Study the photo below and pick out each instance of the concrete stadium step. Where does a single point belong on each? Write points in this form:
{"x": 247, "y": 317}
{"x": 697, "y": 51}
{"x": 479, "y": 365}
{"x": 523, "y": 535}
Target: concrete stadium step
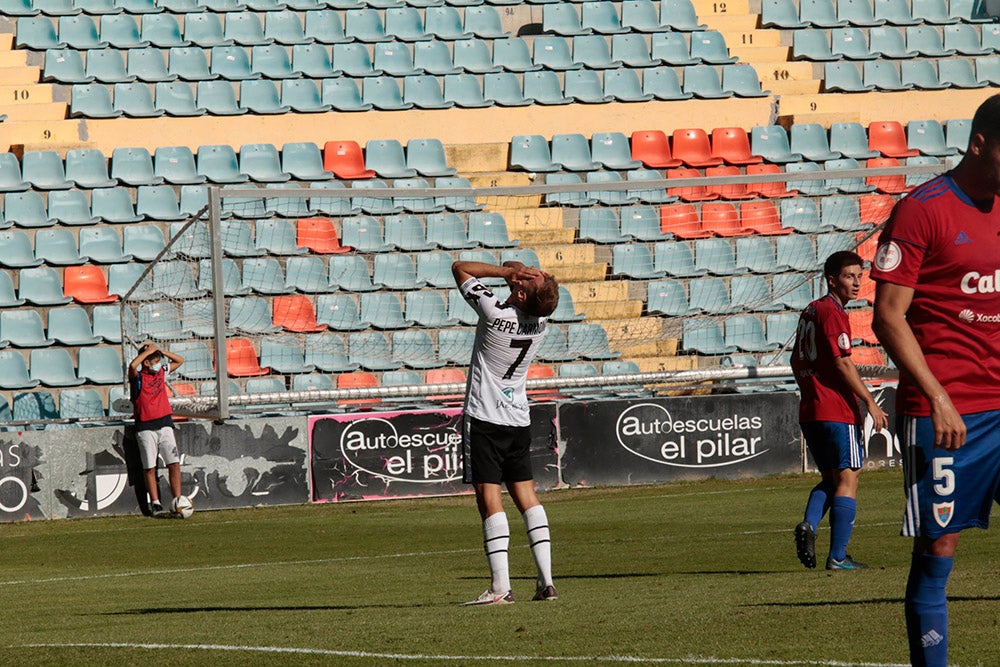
{"x": 753, "y": 53}
{"x": 598, "y": 291}
{"x": 574, "y": 253}
{"x": 57, "y": 135}
{"x": 751, "y": 38}
{"x": 903, "y": 106}
{"x": 525, "y": 220}
{"x": 53, "y": 111}
{"x": 574, "y": 273}
{"x": 478, "y": 158}
{"x": 725, "y": 23}
{"x": 720, "y": 7}
{"x": 38, "y": 93}
{"x": 627, "y": 330}
{"x": 608, "y": 310}
{"x": 655, "y": 364}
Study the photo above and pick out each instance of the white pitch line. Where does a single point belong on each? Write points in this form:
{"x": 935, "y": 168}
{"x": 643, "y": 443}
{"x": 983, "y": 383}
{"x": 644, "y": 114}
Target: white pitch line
{"x": 232, "y": 566}
{"x": 689, "y": 660}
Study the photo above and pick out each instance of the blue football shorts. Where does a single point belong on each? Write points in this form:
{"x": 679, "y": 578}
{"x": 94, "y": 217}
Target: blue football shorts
{"x": 833, "y": 445}
{"x": 948, "y": 491}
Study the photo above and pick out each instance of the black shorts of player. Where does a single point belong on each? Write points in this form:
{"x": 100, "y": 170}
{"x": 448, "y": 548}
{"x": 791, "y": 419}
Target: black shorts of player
{"x": 496, "y": 453}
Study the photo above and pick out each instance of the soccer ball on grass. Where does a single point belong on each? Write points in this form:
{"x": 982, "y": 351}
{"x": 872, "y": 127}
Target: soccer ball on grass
{"x": 182, "y": 507}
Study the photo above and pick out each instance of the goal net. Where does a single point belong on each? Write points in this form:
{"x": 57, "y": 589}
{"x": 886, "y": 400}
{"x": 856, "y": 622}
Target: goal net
{"x": 343, "y": 297}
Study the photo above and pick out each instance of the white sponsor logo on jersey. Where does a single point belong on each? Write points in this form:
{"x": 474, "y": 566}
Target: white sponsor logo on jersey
{"x": 974, "y": 283}
{"x": 966, "y": 315}
{"x": 844, "y": 341}
{"x": 888, "y": 256}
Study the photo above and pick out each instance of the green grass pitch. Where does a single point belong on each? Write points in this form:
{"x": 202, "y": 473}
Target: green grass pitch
{"x": 696, "y": 573}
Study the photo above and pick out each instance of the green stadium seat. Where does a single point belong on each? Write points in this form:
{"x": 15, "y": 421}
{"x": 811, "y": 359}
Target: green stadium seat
{"x": 365, "y": 25}
{"x": 434, "y": 57}
{"x": 858, "y": 13}
{"x": 70, "y": 207}
{"x": 921, "y": 73}
{"x": 189, "y": 63}
{"x": 122, "y": 32}
{"x": 54, "y": 367}
{"x": 484, "y": 22}
{"x": 680, "y": 15}
{"x": 26, "y": 209}
{"x": 149, "y": 65}
{"x": 780, "y": 14}
{"x": 851, "y": 43}
{"x": 703, "y": 81}
{"x": 328, "y": 352}
{"x": 205, "y": 30}
{"x": 135, "y": 100}
{"x": 245, "y": 29}
{"x": 350, "y": 272}
{"x": 80, "y": 32}
{"x": 176, "y": 98}
{"x": 16, "y": 251}
{"x": 813, "y": 44}
{"x": 65, "y": 66}
{"x": 162, "y": 31}
{"x": 883, "y": 75}
{"x": 343, "y": 95}
{"x": 445, "y": 23}
{"x": 843, "y": 77}
{"x": 672, "y": 48}
{"x": 324, "y": 26}
{"x": 593, "y": 52}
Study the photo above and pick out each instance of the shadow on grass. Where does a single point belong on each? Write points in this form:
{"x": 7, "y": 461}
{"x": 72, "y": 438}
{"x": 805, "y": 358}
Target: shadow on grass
{"x": 239, "y": 609}
{"x": 848, "y": 603}
{"x": 562, "y": 577}
{"x": 740, "y": 572}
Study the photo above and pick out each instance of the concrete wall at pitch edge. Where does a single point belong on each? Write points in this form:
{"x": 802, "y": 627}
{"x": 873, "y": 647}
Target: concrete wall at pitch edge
{"x": 338, "y": 457}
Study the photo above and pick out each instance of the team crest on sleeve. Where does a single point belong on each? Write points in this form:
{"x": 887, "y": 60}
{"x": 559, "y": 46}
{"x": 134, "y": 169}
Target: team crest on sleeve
{"x": 844, "y": 341}
{"x": 888, "y": 256}
{"x": 943, "y": 512}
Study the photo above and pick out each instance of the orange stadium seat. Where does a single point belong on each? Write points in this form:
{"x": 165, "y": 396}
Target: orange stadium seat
{"x": 867, "y": 247}
{"x": 87, "y": 284}
{"x": 445, "y": 376}
{"x": 693, "y": 147}
{"x": 319, "y": 235}
{"x": 889, "y": 138}
{"x": 887, "y": 184}
{"x": 241, "y": 359}
{"x": 346, "y": 160}
{"x": 682, "y": 221}
{"x": 689, "y": 192}
{"x": 731, "y": 191}
{"x": 875, "y": 208}
{"x": 770, "y": 189}
{"x": 722, "y": 219}
{"x": 357, "y": 380}
{"x": 761, "y": 217}
{"x": 295, "y": 313}
{"x": 733, "y": 145}
{"x": 652, "y": 148}
{"x": 867, "y": 356}
{"x": 861, "y": 326}
{"x": 542, "y": 371}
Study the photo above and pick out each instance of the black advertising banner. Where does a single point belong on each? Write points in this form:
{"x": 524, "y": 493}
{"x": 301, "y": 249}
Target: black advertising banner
{"x": 405, "y": 454}
{"x": 882, "y": 447}
{"x": 686, "y": 438}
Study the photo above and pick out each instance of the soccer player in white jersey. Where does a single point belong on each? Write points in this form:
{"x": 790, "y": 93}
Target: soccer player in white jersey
{"x": 496, "y": 439}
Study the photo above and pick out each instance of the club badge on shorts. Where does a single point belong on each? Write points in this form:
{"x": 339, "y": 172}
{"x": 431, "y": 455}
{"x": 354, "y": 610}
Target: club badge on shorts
{"x": 943, "y": 513}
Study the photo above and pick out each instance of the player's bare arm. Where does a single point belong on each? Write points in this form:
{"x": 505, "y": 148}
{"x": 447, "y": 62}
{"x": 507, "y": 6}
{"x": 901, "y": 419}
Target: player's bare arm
{"x": 146, "y": 352}
{"x": 889, "y": 324}
{"x": 849, "y": 372}
{"x": 175, "y": 359}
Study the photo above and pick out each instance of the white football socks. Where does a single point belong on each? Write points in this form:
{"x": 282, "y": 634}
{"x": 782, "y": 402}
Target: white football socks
{"x": 537, "y": 525}
{"x": 496, "y": 540}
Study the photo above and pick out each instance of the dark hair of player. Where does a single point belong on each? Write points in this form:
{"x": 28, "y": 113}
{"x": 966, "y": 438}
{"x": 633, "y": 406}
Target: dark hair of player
{"x": 543, "y": 301}
{"x": 986, "y": 120}
{"x": 836, "y": 262}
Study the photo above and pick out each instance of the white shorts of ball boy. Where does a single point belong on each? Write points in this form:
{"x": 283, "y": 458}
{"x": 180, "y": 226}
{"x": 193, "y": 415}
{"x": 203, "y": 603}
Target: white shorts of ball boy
{"x": 160, "y": 442}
